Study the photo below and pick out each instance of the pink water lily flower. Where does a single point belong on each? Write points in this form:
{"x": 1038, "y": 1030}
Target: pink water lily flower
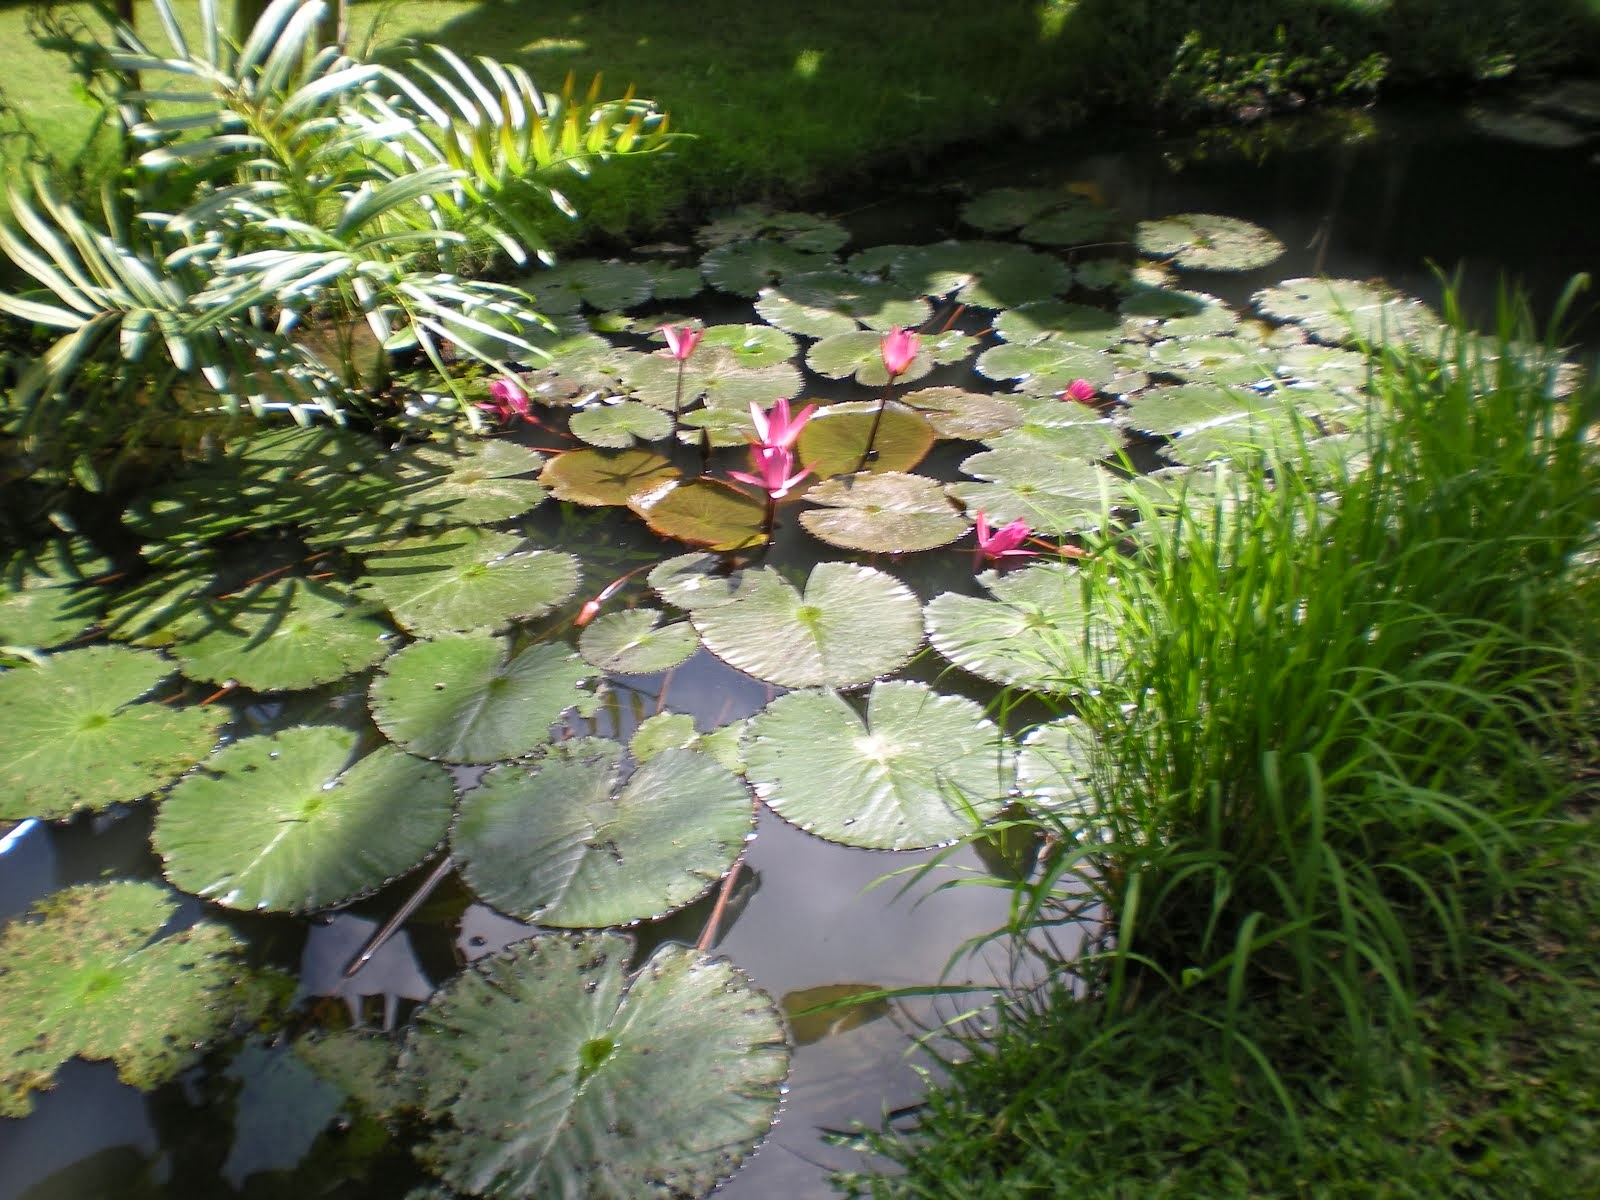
{"x": 682, "y": 341}
{"x": 776, "y": 429}
{"x": 1004, "y": 542}
{"x": 508, "y": 400}
{"x": 899, "y": 347}
{"x": 773, "y": 467}
{"x": 1080, "y": 390}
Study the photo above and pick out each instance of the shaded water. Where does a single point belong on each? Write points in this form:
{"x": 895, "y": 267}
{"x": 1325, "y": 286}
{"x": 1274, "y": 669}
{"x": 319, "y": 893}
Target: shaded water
{"x": 1417, "y": 186}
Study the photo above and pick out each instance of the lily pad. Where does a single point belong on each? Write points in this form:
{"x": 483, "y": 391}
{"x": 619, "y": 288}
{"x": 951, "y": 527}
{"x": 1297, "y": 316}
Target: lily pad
{"x": 1162, "y": 312}
{"x": 981, "y": 274}
{"x": 920, "y": 769}
{"x": 889, "y": 513}
{"x": 465, "y": 579}
{"x": 744, "y": 268}
{"x": 692, "y": 581}
{"x": 1034, "y": 633}
{"x": 1003, "y": 208}
{"x": 1079, "y": 222}
{"x": 287, "y": 823}
{"x": 1051, "y": 494}
{"x": 717, "y": 374}
{"x": 1056, "y": 767}
{"x": 280, "y": 636}
{"x": 859, "y": 355}
{"x": 704, "y": 512}
{"x": 1057, "y": 321}
{"x": 751, "y": 346}
{"x": 568, "y": 286}
{"x": 40, "y": 607}
{"x": 1349, "y": 310}
{"x": 1207, "y": 242}
{"x": 1049, "y": 366}
{"x": 91, "y": 977}
{"x": 468, "y": 700}
{"x": 852, "y": 625}
{"x": 956, "y": 413}
{"x": 617, "y": 426}
{"x": 799, "y": 230}
{"x": 835, "y": 439}
{"x": 562, "y": 845}
{"x": 634, "y": 642}
{"x": 811, "y": 300}
{"x": 602, "y": 477}
{"x": 676, "y": 731}
{"x": 559, "y": 1074}
{"x": 73, "y": 734}
{"x": 472, "y": 484}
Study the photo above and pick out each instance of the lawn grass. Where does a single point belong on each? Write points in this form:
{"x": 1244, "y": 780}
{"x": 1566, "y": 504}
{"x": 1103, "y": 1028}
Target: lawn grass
{"x": 786, "y": 102}
{"x": 1337, "y": 827}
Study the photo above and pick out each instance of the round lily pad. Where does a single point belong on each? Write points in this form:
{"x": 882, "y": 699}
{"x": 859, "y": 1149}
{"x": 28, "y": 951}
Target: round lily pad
{"x": 73, "y": 734}
{"x": 981, "y": 274}
{"x": 601, "y": 477}
{"x": 471, "y": 484}
{"x": 556, "y": 1073}
{"x": 751, "y": 346}
{"x": 956, "y": 413}
{"x": 1170, "y": 312}
{"x": 38, "y": 611}
{"x": 704, "y": 512}
{"x": 889, "y": 512}
{"x": 800, "y": 230}
{"x": 618, "y": 425}
{"x": 834, "y": 440}
{"x": 467, "y": 700}
{"x": 852, "y": 625}
{"x": 1048, "y": 366}
{"x": 1057, "y": 321}
{"x": 599, "y": 284}
{"x": 808, "y": 300}
{"x": 1052, "y": 494}
{"x": 676, "y": 731}
{"x": 287, "y": 823}
{"x": 1034, "y": 632}
{"x": 717, "y": 374}
{"x": 91, "y": 978}
{"x": 920, "y": 769}
{"x": 1056, "y": 767}
{"x": 634, "y": 642}
{"x": 1077, "y": 223}
{"x": 464, "y": 579}
{"x": 1349, "y": 310}
{"x": 1207, "y": 242}
{"x": 692, "y": 581}
{"x": 563, "y": 845}
{"x": 859, "y": 354}
{"x": 280, "y": 636}
{"x": 744, "y": 268}
{"x": 1004, "y": 208}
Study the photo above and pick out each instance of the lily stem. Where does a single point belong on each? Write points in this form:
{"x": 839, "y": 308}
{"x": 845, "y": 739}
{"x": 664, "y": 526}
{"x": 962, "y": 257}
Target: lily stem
{"x": 870, "y": 454}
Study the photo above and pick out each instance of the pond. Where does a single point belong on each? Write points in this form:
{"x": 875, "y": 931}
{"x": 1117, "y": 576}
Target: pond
{"x": 722, "y": 681}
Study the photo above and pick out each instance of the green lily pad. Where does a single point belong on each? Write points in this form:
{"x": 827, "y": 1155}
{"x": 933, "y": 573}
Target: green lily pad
{"x": 969, "y": 416}
{"x": 287, "y": 823}
{"x": 920, "y": 770}
{"x": 73, "y": 734}
{"x": 556, "y": 1073}
{"x": 1051, "y": 494}
{"x": 464, "y": 579}
{"x": 751, "y": 346}
{"x": 852, "y": 625}
{"x": 669, "y": 282}
{"x": 979, "y": 274}
{"x": 90, "y": 978}
{"x": 1212, "y": 423}
{"x": 676, "y": 731}
{"x": 562, "y": 845}
{"x": 1003, "y": 208}
{"x": 1325, "y": 366}
{"x": 568, "y": 286}
{"x": 814, "y": 302}
{"x": 890, "y": 513}
{"x": 472, "y": 484}
{"x": 704, "y": 512}
{"x": 1164, "y": 312}
{"x": 45, "y": 603}
{"x": 604, "y": 477}
{"x": 835, "y": 438}
{"x": 280, "y": 636}
{"x": 1066, "y": 439}
{"x": 1230, "y": 361}
{"x": 717, "y": 374}
{"x": 692, "y": 581}
{"x": 147, "y": 612}
{"x": 1050, "y": 366}
{"x": 1349, "y": 310}
{"x": 1057, "y": 321}
{"x": 634, "y": 642}
{"x": 617, "y": 426}
{"x": 1056, "y": 767}
{"x": 859, "y": 355}
{"x": 467, "y": 700}
{"x": 1080, "y": 222}
{"x": 799, "y": 230}
{"x": 744, "y": 268}
{"x": 1207, "y": 242}
{"x": 1034, "y": 633}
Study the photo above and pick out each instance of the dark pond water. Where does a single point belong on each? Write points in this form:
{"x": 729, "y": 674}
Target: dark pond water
{"x": 1352, "y": 195}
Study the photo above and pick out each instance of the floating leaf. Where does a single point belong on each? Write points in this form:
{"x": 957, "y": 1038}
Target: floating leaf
{"x": 676, "y": 731}
{"x": 1349, "y": 310}
{"x": 835, "y": 439}
{"x": 1053, "y": 495}
{"x": 860, "y": 355}
{"x": 799, "y": 230}
{"x": 1057, "y": 321}
{"x": 603, "y": 477}
{"x": 852, "y": 624}
{"x": 1230, "y": 361}
{"x": 617, "y": 426}
{"x": 970, "y": 416}
{"x": 89, "y": 978}
{"x": 751, "y": 346}
{"x": 813, "y": 301}
{"x": 464, "y": 579}
{"x": 1076, "y": 224}
{"x": 560, "y": 844}
{"x": 466, "y": 700}
{"x": 716, "y": 374}
{"x": 826, "y": 1011}
{"x": 1324, "y": 366}
{"x": 73, "y": 735}
{"x": 280, "y": 636}
{"x": 634, "y": 642}
{"x": 889, "y": 512}
{"x": 1056, "y": 767}
{"x": 780, "y": 309}
{"x": 1034, "y": 633}
{"x": 1234, "y": 423}
{"x": 1000, "y": 209}
{"x": 1207, "y": 242}
{"x": 1157, "y": 312}
{"x": 744, "y": 268}
{"x": 468, "y": 485}
{"x": 569, "y": 285}
{"x": 1050, "y": 366}
{"x": 40, "y": 608}
{"x": 669, "y": 282}
{"x": 704, "y": 512}
{"x": 559, "y": 1074}
{"x": 980, "y": 274}
{"x": 287, "y": 823}
{"x": 920, "y": 770}
{"x": 692, "y": 581}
